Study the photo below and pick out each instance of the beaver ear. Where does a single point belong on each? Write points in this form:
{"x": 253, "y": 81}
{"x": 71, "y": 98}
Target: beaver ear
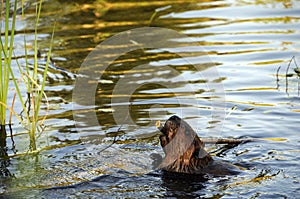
{"x": 175, "y": 118}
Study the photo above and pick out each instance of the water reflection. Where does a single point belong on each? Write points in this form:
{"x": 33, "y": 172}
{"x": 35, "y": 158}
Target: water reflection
{"x": 246, "y": 41}
{"x": 183, "y": 186}
{"x": 4, "y": 159}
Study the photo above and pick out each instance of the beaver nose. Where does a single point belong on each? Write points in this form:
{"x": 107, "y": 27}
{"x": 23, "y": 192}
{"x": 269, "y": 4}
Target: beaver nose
{"x": 158, "y": 125}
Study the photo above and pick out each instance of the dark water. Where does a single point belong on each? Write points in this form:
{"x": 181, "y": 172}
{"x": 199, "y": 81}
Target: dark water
{"x": 220, "y": 76}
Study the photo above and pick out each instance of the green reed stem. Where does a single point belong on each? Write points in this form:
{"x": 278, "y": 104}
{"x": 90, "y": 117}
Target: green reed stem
{"x": 38, "y": 90}
{"x": 6, "y": 54}
{"x": 35, "y": 87}
{"x": 37, "y": 93}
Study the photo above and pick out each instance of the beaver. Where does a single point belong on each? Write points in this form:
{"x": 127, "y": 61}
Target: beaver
{"x": 185, "y": 153}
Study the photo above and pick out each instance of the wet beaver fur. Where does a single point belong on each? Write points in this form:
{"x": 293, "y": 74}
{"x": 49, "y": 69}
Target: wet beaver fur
{"x": 185, "y": 153}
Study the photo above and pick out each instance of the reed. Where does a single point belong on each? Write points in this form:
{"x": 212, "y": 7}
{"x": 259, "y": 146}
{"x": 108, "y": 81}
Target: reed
{"x": 6, "y": 55}
{"x": 35, "y": 85}
{"x": 31, "y": 103}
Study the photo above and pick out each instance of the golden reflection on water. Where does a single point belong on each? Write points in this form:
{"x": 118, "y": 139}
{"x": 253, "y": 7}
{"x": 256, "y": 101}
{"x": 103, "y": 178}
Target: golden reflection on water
{"x": 247, "y": 48}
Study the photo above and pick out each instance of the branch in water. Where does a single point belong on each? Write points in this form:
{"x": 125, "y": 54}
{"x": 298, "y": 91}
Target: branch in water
{"x": 225, "y": 141}
{"x": 215, "y": 140}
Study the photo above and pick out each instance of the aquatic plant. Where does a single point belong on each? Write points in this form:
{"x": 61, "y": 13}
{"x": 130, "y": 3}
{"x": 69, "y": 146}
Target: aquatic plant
{"x": 6, "y": 57}
{"x": 36, "y": 86}
{"x": 287, "y": 75}
{"x": 31, "y": 103}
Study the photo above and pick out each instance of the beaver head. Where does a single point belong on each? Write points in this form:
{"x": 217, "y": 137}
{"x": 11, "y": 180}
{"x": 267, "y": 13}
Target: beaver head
{"x": 184, "y": 151}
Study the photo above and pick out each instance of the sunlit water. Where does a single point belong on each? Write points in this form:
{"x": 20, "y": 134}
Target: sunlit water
{"x": 246, "y": 42}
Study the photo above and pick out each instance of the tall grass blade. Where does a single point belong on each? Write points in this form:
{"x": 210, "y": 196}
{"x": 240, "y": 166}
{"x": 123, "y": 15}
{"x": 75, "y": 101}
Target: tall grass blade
{"x": 34, "y": 86}
{"x": 7, "y": 51}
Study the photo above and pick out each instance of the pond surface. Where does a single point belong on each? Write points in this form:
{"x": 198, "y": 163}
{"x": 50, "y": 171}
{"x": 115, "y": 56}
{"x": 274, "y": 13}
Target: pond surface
{"x": 221, "y": 75}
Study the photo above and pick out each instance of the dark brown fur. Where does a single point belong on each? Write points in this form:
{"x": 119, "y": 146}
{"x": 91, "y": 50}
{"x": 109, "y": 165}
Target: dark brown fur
{"x": 185, "y": 153}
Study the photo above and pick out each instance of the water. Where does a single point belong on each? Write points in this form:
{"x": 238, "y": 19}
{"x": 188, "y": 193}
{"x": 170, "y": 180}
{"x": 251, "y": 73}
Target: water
{"x": 245, "y": 41}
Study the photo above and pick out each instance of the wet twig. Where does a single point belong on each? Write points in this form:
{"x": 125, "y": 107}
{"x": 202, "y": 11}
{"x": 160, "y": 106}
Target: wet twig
{"x": 296, "y": 71}
{"x": 286, "y": 76}
{"x": 118, "y": 131}
{"x": 277, "y": 77}
{"x": 226, "y": 140}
